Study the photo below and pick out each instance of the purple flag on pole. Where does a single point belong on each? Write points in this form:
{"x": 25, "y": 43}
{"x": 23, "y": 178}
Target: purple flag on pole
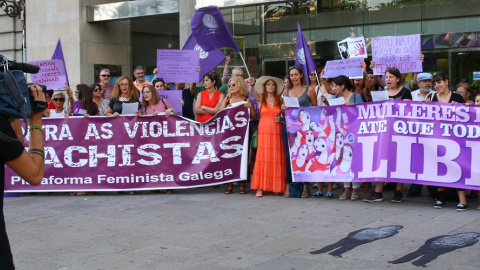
{"x": 211, "y": 30}
{"x": 208, "y": 60}
{"x": 58, "y": 54}
{"x": 303, "y": 56}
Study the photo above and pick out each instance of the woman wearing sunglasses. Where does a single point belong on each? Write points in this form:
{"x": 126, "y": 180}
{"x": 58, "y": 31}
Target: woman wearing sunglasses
{"x": 237, "y": 92}
{"x": 97, "y": 96}
{"x": 59, "y": 101}
{"x": 210, "y": 100}
{"x": 85, "y": 105}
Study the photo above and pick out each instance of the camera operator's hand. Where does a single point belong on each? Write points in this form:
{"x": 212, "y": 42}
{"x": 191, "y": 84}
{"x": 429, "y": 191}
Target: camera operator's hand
{"x": 38, "y": 95}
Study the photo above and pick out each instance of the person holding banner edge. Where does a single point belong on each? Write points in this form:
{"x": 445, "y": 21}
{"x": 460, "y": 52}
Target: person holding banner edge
{"x": 306, "y": 97}
{"x": 237, "y": 92}
{"x": 28, "y": 165}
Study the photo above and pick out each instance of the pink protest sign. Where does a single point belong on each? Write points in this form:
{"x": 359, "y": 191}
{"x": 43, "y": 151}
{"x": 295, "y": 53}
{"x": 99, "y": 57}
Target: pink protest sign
{"x": 51, "y": 74}
{"x": 402, "y": 52}
{"x": 178, "y": 65}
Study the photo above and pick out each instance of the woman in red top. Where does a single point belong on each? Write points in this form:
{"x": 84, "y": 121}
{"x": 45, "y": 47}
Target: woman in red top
{"x": 210, "y": 100}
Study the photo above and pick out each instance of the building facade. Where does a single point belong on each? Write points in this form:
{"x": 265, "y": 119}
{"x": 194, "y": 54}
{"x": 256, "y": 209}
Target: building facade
{"x": 120, "y": 35}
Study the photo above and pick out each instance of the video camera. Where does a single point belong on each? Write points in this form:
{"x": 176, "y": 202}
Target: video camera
{"x": 13, "y": 90}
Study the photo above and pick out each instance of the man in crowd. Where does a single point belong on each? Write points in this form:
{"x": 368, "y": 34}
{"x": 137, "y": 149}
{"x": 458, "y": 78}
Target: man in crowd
{"x": 105, "y": 82}
{"x": 141, "y": 81}
{"x": 424, "y": 80}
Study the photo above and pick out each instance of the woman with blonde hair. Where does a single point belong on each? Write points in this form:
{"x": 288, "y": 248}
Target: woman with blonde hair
{"x": 237, "y": 92}
{"x": 123, "y": 92}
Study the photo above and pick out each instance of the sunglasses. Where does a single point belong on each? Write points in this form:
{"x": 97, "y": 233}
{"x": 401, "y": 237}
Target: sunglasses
{"x": 391, "y": 69}
{"x": 105, "y": 75}
{"x": 312, "y": 74}
{"x": 269, "y": 84}
{"x": 97, "y": 90}
{"x": 58, "y": 99}
{"x": 76, "y": 92}
{"x": 232, "y": 84}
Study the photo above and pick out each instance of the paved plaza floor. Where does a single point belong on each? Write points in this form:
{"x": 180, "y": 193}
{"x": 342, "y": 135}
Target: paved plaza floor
{"x": 203, "y": 228}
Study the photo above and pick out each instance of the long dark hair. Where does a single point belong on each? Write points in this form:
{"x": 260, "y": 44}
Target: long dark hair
{"x": 300, "y": 70}
{"x": 212, "y": 76}
{"x": 86, "y": 98}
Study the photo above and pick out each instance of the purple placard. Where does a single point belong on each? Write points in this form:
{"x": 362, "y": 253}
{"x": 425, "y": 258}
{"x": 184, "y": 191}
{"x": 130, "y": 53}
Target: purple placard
{"x": 349, "y": 67}
{"x": 174, "y": 97}
{"x": 402, "y": 52}
{"x": 140, "y": 153}
{"x": 395, "y": 141}
{"x": 51, "y": 74}
{"x": 178, "y": 65}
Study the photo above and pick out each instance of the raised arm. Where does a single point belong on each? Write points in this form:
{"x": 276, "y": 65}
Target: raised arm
{"x": 226, "y": 70}
{"x": 31, "y": 165}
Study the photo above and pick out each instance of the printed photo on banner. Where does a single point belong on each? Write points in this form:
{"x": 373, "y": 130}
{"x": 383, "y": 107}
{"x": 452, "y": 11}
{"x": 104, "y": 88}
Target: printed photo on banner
{"x": 140, "y": 153}
{"x": 396, "y": 141}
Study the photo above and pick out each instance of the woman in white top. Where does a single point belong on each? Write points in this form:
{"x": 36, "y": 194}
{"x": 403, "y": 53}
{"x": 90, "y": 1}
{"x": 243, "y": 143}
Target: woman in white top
{"x": 59, "y": 101}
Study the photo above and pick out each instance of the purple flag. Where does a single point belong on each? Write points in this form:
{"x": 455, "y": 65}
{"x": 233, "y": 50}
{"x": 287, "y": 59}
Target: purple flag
{"x": 303, "y": 56}
{"x": 58, "y": 54}
{"x": 211, "y": 30}
{"x": 208, "y": 60}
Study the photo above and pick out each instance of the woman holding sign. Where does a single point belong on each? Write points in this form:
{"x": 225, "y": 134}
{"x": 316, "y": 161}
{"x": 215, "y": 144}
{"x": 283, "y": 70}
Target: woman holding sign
{"x": 123, "y": 92}
{"x": 153, "y": 104}
{"x": 306, "y": 97}
{"x": 210, "y": 100}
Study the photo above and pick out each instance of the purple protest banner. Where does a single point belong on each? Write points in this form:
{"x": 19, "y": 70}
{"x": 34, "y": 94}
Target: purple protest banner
{"x": 140, "y": 153}
{"x": 208, "y": 60}
{"x": 402, "y": 52}
{"x": 51, "y": 74}
{"x": 303, "y": 56}
{"x": 178, "y": 65}
{"x": 395, "y": 141}
{"x": 174, "y": 97}
{"x": 211, "y": 30}
{"x": 349, "y": 67}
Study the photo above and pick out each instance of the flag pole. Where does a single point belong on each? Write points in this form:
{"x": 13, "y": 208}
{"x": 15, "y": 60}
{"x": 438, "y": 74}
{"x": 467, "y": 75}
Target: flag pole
{"x": 244, "y": 64}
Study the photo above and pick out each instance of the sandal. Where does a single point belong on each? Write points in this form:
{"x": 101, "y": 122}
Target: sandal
{"x": 229, "y": 189}
{"x": 306, "y": 191}
{"x": 243, "y": 188}
{"x": 259, "y": 193}
{"x": 287, "y": 192}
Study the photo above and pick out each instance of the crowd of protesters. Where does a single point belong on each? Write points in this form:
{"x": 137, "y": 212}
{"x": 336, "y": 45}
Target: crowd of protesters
{"x": 270, "y": 166}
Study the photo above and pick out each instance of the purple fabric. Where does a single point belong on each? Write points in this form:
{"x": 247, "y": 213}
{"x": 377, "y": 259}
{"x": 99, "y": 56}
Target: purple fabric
{"x": 402, "y": 52}
{"x": 141, "y": 153}
{"x": 303, "y": 56}
{"x": 395, "y": 141}
{"x": 349, "y": 67}
{"x": 58, "y": 54}
{"x": 209, "y": 60}
{"x": 211, "y": 30}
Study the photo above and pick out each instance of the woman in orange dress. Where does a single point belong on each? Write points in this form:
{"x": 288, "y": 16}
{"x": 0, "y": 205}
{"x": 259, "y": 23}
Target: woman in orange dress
{"x": 269, "y": 172}
{"x": 209, "y": 100}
